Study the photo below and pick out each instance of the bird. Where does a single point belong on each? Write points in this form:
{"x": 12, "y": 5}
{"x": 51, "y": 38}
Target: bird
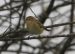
{"x": 33, "y": 25}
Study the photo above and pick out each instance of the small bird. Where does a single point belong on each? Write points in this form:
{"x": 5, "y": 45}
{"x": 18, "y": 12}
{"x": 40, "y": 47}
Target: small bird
{"x": 34, "y": 26}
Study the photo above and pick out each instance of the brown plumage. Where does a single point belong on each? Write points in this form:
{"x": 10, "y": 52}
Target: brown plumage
{"x": 34, "y": 26}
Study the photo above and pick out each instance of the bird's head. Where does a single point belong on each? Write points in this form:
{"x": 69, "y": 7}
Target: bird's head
{"x": 30, "y": 18}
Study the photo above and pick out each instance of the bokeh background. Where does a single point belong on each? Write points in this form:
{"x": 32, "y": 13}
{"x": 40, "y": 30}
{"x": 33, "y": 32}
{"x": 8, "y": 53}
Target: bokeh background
{"x": 56, "y": 15}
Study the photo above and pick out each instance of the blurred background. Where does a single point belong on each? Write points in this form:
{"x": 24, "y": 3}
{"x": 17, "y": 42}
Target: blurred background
{"x": 56, "y": 15}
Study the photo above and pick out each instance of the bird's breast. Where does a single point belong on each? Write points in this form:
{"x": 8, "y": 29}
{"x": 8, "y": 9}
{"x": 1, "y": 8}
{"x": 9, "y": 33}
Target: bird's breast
{"x": 34, "y": 28}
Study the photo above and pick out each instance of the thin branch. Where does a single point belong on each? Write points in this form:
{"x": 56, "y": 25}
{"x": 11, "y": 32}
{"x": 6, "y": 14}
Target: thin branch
{"x": 34, "y": 37}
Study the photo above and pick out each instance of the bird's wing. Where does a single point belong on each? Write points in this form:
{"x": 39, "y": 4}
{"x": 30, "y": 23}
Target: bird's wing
{"x": 40, "y": 24}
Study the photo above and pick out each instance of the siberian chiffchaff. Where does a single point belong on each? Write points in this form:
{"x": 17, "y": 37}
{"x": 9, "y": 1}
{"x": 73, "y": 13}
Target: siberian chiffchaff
{"x": 34, "y": 26}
